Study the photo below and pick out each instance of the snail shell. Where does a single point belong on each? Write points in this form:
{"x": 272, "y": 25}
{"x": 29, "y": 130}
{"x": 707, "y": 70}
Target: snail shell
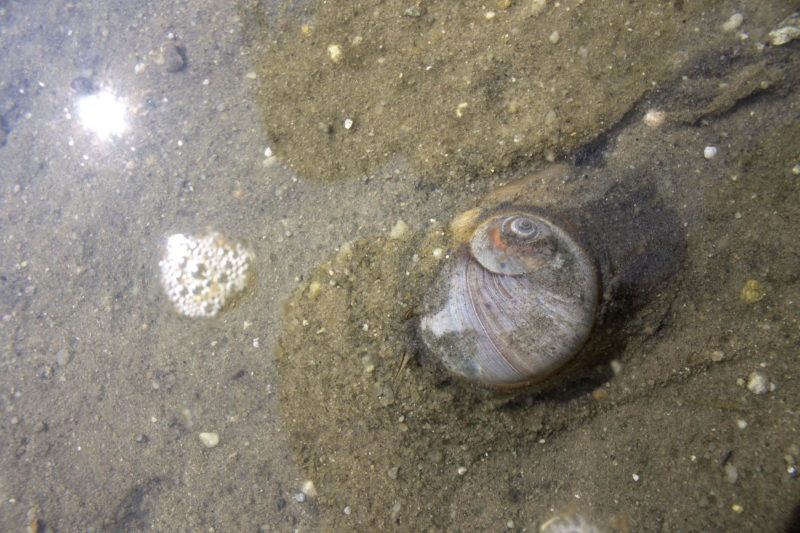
{"x": 514, "y": 304}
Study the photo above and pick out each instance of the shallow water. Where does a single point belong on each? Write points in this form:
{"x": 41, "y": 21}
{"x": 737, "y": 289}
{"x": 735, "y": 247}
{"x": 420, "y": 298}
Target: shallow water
{"x": 105, "y": 387}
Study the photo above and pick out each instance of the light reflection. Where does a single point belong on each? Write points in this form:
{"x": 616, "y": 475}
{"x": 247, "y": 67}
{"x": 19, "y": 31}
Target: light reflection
{"x": 103, "y": 114}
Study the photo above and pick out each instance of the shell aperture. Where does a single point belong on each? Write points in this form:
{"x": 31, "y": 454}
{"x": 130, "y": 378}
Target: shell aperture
{"x": 515, "y": 305}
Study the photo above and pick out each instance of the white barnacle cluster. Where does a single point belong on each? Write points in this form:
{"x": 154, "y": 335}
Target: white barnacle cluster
{"x": 201, "y": 273}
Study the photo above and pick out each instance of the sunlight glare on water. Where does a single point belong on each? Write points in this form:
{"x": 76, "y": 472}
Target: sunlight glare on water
{"x": 103, "y": 114}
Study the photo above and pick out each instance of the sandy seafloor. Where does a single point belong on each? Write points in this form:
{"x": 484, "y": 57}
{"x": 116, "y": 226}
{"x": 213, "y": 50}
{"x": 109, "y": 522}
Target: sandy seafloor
{"x": 104, "y": 388}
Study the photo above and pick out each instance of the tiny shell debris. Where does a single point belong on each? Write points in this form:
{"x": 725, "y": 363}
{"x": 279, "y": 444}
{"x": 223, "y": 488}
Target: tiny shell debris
{"x": 569, "y": 523}
{"x": 201, "y": 273}
{"x": 209, "y": 439}
{"x": 710, "y": 152}
{"x": 787, "y": 30}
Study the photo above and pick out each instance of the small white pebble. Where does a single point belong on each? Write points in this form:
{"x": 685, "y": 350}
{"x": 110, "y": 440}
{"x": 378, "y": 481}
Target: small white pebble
{"x": 733, "y": 23}
{"x": 251, "y": 75}
{"x": 616, "y": 367}
{"x": 348, "y": 123}
{"x": 796, "y": 169}
{"x": 267, "y": 152}
{"x": 461, "y": 470}
{"x": 758, "y": 383}
{"x": 300, "y": 497}
{"x": 255, "y": 342}
{"x": 347, "y": 510}
{"x": 209, "y": 439}
{"x": 308, "y": 488}
{"x": 636, "y": 477}
{"x": 437, "y": 253}
{"x": 489, "y": 15}
{"x": 554, "y": 37}
{"x": 654, "y": 118}
{"x": 335, "y": 52}
{"x": 741, "y": 424}
{"x": 709, "y": 152}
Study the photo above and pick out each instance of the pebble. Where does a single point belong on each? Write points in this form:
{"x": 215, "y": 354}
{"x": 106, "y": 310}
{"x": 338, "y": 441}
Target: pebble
{"x": 758, "y": 383}
{"x": 709, "y": 152}
{"x": 654, "y": 118}
{"x": 172, "y": 57}
{"x": 299, "y": 497}
{"x": 63, "y": 357}
{"x": 393, "y": 471}
{"x": 461, "y": 470}
{"x": 335, "y": 52}
{"x": 733, "y": 23}
{"x": 787, "y": 30}
{"x": 399, "y": 229}
{"x": 309, "y": 489}
{"x": 731, "y": 474}
{"x": 82, "y": 85}
{"x": 717, "y": 356}
{"x": 554, "y": 37}
{"x": 753, "y": 291}
{"x": 209, "y": 439}
{"x": 347, "y": 510}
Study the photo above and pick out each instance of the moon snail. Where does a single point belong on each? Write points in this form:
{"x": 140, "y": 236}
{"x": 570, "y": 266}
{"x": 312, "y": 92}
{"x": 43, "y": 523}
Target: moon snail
{"x": 515, "y": 303}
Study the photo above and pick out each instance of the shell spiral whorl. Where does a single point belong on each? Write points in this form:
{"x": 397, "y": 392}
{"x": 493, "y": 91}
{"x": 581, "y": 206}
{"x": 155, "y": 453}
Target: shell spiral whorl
{"x": 514, "y": 304}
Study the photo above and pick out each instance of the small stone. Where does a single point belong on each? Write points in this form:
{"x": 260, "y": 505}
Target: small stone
{"x": 209, "y": 439}
{"x": 741, "y": 424}
{"x": 308, "y": 489}
{"x": 787, "y": 30}
{"x": 461, "y": 470}
{"x": 635, "y": 477}
{"x": 536, "y": 6}
{"x": 731, "y": 474}
{"x": 753, "y": 291}
{"x": 393, "y": 471}
{"x": 758, "y": 383}
{"x": 736, "y": 508}
{"x": 63, "y": 357}
{"x": 733, "y": 23}
{"x": 314, "y": 288}
{"x": 172, "y": 56}
{"x": 347, "y": 510}
{"x": 413, "y": 11}
{"x": 654, "y": 118}
{"x": 141, "y": 438}
{"x": 710, "y": 152}
{"x": 717, "y": 356}
{"x": 399, "y": 229}
{"x": 503, "y": 4}
{"x": 489, "y": 15}
{"x": 251, "y": 75}
{"x": 437, "y": 253}
{"x": 348, "y": 123}
{"x": 335, "y": 52}
{"x": 82, "y": 85}
{"x": 299, "y": 497}
{"x": 554, "y": 37}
